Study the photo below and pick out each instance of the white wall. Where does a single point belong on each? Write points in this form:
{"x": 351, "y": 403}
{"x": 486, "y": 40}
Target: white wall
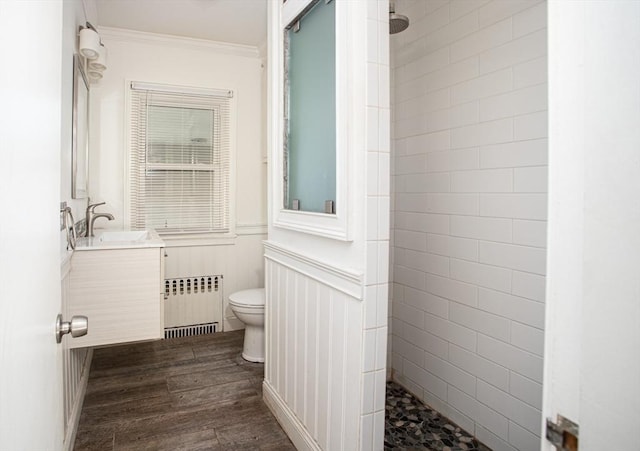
{"x": 135, "y": 56}
{"x": 326, "y": 314}
{"x": 592, "y": 364}
{"x": 469, "y": 215}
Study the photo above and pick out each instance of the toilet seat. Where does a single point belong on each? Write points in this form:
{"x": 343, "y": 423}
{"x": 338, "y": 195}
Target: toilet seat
{"x": 248, "y": 298}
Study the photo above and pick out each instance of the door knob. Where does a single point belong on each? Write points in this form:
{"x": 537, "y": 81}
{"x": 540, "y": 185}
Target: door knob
{"x": 78, "y": 326}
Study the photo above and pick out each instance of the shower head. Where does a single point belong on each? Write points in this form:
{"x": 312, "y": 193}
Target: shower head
{"x": 397, "y": 22}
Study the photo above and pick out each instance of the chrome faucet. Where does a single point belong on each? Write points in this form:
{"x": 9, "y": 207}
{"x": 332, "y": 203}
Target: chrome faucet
{"x": 91, "y": 217}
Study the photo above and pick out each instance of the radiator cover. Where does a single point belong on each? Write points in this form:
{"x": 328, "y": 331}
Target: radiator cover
{"x": 193, "y": 305}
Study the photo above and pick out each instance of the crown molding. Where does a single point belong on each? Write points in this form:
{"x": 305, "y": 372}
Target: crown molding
{"x": 143, "y": 37}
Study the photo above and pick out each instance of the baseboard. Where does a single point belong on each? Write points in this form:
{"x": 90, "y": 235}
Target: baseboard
{"x": 78, "y": 400}
{"x": 298, "y": 434}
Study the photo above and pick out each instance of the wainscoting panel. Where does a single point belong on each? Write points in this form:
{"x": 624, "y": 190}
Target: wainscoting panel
{"x": 313, "y": 364}
{"x": 75, "y": 369}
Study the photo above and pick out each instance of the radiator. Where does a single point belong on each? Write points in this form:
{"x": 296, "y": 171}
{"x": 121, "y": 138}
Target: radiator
{"x": 193, "y": 306}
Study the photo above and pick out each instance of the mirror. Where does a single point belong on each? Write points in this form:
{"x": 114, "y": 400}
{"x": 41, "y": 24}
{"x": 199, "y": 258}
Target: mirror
{"x": 80, "y": 133}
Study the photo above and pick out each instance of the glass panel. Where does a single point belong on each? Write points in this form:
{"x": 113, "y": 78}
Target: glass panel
{"x": 310, "y": 145}
{"x": 179, "y": 135}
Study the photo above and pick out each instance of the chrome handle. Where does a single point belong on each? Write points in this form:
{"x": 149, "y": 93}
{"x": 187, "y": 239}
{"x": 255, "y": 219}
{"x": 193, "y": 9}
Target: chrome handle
{"x": 92, "y": 207}
{"x": 78, "y": 326}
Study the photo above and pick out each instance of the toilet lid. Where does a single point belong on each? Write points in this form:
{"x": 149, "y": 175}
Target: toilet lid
{"x": 254, "y": 296}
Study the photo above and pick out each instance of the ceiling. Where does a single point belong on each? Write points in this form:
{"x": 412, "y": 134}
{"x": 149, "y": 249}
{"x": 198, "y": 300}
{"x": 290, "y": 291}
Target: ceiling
{"x": 236, "y": 21}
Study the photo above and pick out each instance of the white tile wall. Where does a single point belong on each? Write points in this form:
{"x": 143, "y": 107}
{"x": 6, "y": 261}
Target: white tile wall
{"x": 469, "y": 206}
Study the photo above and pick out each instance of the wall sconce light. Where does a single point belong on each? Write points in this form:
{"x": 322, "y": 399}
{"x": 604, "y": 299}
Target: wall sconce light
{"x": 94, "y": 52}
{"x": 89, "y": 46}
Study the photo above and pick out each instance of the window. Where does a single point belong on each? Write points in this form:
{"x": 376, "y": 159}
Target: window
{"x": 179, "y": 159}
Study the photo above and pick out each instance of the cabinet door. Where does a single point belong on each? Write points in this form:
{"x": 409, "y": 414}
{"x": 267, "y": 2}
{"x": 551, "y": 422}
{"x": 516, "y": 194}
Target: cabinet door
{"x": 118, "y": 291}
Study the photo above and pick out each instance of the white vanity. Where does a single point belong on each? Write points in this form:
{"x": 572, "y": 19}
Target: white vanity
{"x": 116, "y": 281}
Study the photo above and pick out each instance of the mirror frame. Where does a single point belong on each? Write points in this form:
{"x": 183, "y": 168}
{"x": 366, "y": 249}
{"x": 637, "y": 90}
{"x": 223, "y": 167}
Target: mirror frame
{"x": 80, "y": 132}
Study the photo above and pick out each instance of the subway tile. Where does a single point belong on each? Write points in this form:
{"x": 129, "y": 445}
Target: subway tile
{"x": 372, "y": 173}
{"x": 379, "y": 390}
{"x": 410, "y": 240}
{"x": 409, "y": 202}
{"x": 378, "y": 429}
{"x": 452, "y": 160}
{"x": 526, "y": 390}
{"x": 494, "y": 442}
{"x": 492, "y": 325}
{"x": 529, "y": 73}
{"x": 452, "y": 289}
{"x": 515, "y": 103}
{"x": 372, "y": 218}
{"x": 484, "y": 86}
{"x": 499, "y": 9}
{"x": 409, "y": 351}
{"x": 482, "y": 181}
{"x": 523, "y": 258}
{"x": 528, "y": 233}
{"x": 384, "y": 163}
{"x": 384, "y": 221}
{"x": 384, "y": 128}
{"x": 372, "y": 41}
{"x": 452, "y": 32}
{"x": 372, "y": 128}
{"x": 481, "y": 275}
{"x": 428, "y": 63}
{"x": 372, "y": 259}
{"x": 527, "y": 285}
{"x": 450, "y": 246}
{"x": 516, "y": 206}
{"x": 367, "y": 389}
{"x": 450, "y": 373}
{"x": 487, "y": 417}
{"x": 512, "y": 307}
{"x": 410, "y": 126}
{"x": 491, "y": 132}
{"x": 530, "y": 20}
{"x": 531, "y": 126}
{"x": 434, "y": 20}
{"x": 522, "y": 439}
{"x": 411, "y": 164}
{"x": 452, "y": 74}
{"x": 426, "y": 341}
{"x": 369, "y": 354}
{"x": 426, "y": 380}
{"x": 515, "y": 359}
{"x": 373, "y": 84}
{"x": 528, "y": 338}
{"x": 455, "y": 204}
{"x": 422, "y": 183}
{"x": 459, "y": 8}
{"x": 514, "y": 409}
{"x": 451, "y": 332}
{"x": 492, "y": 229}
{"x": 459, "y": 418}
{"x": 424, "y": 222}
{"x": 481, "y": 40}
{"x": 426, "y": 302}
{"x": 370, "y": 306}
{"x": 381, "y": 348}
{"x": 514, "y": 154}
{"x": 366, "y": 432}
{"x": 383, "y": 42}
{"x": 429, "y": 142}
{"x": 383, "y": 262}
{"x": 426, "y": 262}
{"x": 384, "y": 86}
{"x": 530, "y": 180}
{"x": 480, "y": 367}
{"x": 519, "y": 50}
{"x": 382, "y": 310}
{"x": 409, "y": 312}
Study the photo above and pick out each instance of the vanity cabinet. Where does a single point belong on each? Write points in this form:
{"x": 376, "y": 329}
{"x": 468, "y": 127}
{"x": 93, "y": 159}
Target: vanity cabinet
{"x": 121, "y": 292}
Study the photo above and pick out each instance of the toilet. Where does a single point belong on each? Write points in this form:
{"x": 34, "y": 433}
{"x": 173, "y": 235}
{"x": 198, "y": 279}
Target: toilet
{"x": 248, "y": 306}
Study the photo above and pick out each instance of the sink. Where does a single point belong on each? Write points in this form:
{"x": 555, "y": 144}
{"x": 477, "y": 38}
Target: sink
{"x": 120, "y": 239}
{"x": 124, "y": 235}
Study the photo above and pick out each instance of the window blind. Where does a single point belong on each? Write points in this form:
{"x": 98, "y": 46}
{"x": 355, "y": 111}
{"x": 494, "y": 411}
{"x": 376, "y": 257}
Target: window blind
{"x": 179, "y": 159}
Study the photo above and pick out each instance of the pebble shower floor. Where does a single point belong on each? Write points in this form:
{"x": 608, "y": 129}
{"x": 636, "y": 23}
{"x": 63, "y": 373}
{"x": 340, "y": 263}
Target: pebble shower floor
{"x": 410, "y": 425}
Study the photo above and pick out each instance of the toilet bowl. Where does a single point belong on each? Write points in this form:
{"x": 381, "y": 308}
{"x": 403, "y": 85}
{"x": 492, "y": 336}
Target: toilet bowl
{"x": 248, "y": 306}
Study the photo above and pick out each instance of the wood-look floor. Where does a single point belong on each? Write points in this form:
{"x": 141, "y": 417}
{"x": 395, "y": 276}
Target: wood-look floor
{"x": 190, "y": 393}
